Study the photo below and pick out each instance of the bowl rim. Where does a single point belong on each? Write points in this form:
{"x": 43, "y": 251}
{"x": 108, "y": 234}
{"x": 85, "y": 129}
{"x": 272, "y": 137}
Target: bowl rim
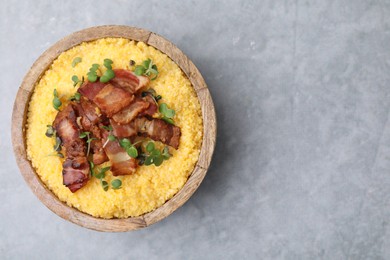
{"x": 19, "y": 117}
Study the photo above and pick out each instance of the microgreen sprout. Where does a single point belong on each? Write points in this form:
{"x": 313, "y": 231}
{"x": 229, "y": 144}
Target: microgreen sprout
{"x": 129, "y": 147}
{"x": 56, "y": 100}
{"x": 58, "y": 154}
{"x": 116, "y": 184}
{"x": 109, "y": 73}
{"x": 155, "y": 156}
{"x": 76, "y": 80}
{"x": 57, "y": 145}
{"x": 167, "y": 113}
{"x": 104, "y": 184}
{"x": 89, "y": 140}
{"x": 101, "y": 175}
{"x": 148, "y": 68}
{"x": 102, "y": 172}
{"x": 50, "y": 132}
{"x": 108, "y": 128}
{"x": 91, "y": 168}
{"x": 75, "y": 97}
{"x": 76, "y": 61}
{"x": 92, "y": 74}
{"x": 110, "y": 137}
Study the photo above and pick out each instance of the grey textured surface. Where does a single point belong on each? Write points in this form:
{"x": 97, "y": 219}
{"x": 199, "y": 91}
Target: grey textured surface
{"x": 302, "y": 164}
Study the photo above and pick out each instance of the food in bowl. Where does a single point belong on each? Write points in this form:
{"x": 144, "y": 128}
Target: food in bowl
{"x": 145, "y": 151}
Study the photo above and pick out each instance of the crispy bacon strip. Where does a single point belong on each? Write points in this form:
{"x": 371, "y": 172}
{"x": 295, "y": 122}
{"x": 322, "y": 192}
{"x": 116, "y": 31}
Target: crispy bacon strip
{"x": 89, "y": 110}
{"x": 129, "y": 113}
{"x": 156, "y": 129}
{"x": 152, "y": 109}
{"x": 98, "y": 154}
{"x": 75, "y": 173}
{"x": 67, "y": 129}
{"x": 112, "y": 99}
{"x": 159, "y": 130}
{"x": 121, "y": 162}
{"x": 75, "y": 168}
{"x": 128, "y": 80}
{"x": 91, "y": 89}
{"x": 123, "y": 131}
{"x": 90, "y": 121}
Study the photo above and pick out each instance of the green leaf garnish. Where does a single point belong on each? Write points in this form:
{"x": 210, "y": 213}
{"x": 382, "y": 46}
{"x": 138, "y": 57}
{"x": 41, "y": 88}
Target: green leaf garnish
{"x": 92, "y": 74}
{"x": 124, "y": 142}
{"x": 50, "y": 132}
{"x": 88, "y": 141}
{"x": 104, "y": 184}
{"x": 76, "y": 61}
{"x": 116, "y": 184}
{"x": 57, "y": 145}
{"x": 109, "y": 73}
{"x": 56, "y": 100}
{"x": 107, "y": 76}
{"x": 76, "y": 80}
{"x": 102, "y": 172}
{"x": 154, "y": 155}
{"x": 166, "y": 155}
{"x": 75, "y": 97}
{"x": 107, "y": 63}
{"x": 139, "y": 70}
{"x": 132, "y": 152}
{"x": 100, "y": 175}
{"x": 168, "y": 120}
{"x": 158, "y": 160}
{"x": 111, "y": 138}
{"x": 150, "y": 147}
{"x": 167, "y": 113}
{"x": 129, "y": 147}
{"x": 108, "y": 128}
{"x": 148, "y": 68}
{"x": 91, "y": 168}
{"x": 84, "y": 134}
{"x": 58, "y": 154}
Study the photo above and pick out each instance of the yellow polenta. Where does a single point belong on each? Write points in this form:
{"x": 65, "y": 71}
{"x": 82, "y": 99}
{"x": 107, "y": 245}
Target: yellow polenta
{"x": 150, "y": 186}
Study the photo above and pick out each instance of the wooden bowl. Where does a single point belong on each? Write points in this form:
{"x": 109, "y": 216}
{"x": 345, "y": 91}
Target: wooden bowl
{"x": 20, "y": 113}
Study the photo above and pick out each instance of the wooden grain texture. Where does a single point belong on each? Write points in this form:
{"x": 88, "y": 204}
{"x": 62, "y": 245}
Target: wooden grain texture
{"x": 19, "y": 123}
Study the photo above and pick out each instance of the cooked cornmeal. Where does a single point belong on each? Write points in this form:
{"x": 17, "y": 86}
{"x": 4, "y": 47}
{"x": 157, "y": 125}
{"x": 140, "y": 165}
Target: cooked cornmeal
{"x": 150, "y": 186}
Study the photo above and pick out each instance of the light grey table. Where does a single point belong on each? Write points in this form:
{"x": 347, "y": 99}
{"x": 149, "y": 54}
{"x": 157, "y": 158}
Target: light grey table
{"x": 302, "y": 164}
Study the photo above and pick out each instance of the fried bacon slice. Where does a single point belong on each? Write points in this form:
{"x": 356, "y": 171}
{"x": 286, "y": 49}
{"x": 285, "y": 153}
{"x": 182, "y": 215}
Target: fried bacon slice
{"x": 91, "y": 89}
{"x": 75, "y": 168}
{"x": 126, "y": 115}
{"x": 75, "y": 173}
{"x": 112, "y": 99}
{"x": 90, "y": 122}
{"x": 67, "y": 129}
{"x": 122, "y": 131}
{"x": 156, "y": 129}
{"x": 128, "y": 80}
{"x": 121, "y": 162}
{"x": 152, "y": 109}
